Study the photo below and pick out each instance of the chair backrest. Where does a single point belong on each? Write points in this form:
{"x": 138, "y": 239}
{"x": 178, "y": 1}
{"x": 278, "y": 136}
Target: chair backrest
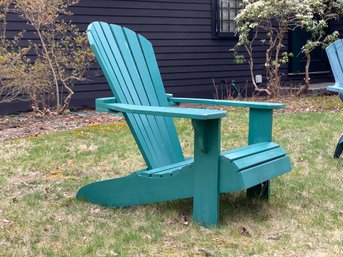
{"x": 335, "y": 55}
{"x": 129, "y": 64}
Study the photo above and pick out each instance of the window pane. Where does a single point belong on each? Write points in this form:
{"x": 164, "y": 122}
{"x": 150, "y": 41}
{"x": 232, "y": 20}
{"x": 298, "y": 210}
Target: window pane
{"x": 227, "y": 11}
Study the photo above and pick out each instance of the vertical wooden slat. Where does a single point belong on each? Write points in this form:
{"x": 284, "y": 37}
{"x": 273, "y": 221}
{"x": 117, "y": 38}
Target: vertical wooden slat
{"x": 339, "y": 51}
{"x": 148, "y": 91}
{"x": 334, "y": 62}
{"x": 130, "y": 66}
{"x": 155, "y": 75}
{"x": 145, "y": 90}
{"x": 135, "y": 87}
{"x": 114, "y": 78}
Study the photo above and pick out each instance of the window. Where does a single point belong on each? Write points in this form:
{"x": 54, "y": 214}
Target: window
{"x": 224, "y": 15}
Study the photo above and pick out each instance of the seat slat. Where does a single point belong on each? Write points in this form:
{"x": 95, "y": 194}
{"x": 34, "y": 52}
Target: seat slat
{"x": 259, "y": 158}
{"x": 166, "y": 170}
{"x": 265, "y": 171}
{"x": 249, "y": 150}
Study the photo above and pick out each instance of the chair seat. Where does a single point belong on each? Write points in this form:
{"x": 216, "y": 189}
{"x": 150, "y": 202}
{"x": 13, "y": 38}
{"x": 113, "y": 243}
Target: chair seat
{"x": 251, "y": 165}
{"x": 165, "y": 171}
{"x": 252, "y": 155}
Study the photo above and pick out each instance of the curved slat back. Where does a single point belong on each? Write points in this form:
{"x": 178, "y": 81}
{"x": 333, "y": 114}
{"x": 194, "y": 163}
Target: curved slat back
{"x": 335, "y": 55}
{"x": 130, "y": 67}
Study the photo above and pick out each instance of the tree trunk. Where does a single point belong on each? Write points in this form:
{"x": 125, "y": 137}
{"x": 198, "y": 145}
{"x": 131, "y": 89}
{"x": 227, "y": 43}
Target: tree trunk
{"x": 307, "y": 78}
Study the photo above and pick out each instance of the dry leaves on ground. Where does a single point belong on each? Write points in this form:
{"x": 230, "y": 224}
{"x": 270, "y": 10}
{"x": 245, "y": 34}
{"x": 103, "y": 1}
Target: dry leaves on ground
{"x": 30, "y": 124}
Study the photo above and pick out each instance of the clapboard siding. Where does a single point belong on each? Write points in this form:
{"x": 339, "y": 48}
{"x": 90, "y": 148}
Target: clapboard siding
{"x": 337, "y": 26}
{"x": 189, "y": 58}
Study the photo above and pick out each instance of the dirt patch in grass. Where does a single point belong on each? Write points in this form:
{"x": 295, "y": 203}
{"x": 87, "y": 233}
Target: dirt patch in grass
{"x": 30, "y": 124}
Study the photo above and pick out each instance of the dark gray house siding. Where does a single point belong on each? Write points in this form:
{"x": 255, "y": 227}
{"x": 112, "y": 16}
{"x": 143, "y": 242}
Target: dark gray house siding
{"x": 182, "y": 34}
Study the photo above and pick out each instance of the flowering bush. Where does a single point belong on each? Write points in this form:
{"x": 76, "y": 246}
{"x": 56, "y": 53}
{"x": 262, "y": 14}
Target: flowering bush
{"x": 273, "y": 19}
{"x": 61, "y": 55}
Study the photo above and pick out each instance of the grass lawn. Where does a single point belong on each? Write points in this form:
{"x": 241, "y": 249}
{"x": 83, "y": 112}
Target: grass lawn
{"x": 39, "y": 177}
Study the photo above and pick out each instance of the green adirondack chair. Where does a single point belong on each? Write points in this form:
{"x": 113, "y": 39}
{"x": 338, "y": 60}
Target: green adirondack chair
{"x": 129, "y": 64}
{"x": 335, "y": 55}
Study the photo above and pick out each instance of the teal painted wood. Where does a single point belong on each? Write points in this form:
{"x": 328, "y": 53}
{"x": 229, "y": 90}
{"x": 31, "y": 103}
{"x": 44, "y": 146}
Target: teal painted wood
{"x": 256, "y": 105}
{"x": 260, "y": 174}
{"x": 126, "y": 42}
{"x": 260, "y": 130}
{"x": 259, "y": 158}
{"x": 335, "y": 55}
{"x": 243, "y": 173}
{"x": 100, "y": 103}
{"x": 250, "y": 177}
{"x": 134, "y": 189}
{"x": 109, "y": 65}
{"x": 249, "y": 150}
{"x": 132, "y": 81}
{"x": 206, "y": 172}
{"x": 192, "y": 113}
{"x": 168, "y": 170}
{"x": 260, "y": 125}
{"x": 130, "y": 66}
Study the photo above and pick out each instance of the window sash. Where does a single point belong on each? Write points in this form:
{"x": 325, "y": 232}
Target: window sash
{"x": 227, "y": 10}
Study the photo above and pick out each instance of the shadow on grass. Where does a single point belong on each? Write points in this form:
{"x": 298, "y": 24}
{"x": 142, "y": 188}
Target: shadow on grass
{"x": 234, "y": 207}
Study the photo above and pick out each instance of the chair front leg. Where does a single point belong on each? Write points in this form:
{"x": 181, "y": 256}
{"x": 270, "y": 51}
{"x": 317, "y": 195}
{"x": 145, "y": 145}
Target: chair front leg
{"x": 206, "y": 171}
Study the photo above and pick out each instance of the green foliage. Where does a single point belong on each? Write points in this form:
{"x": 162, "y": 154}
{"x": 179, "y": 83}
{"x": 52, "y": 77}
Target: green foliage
{"x": 239, "y": 59}
{"x": 316, "y": 21}
{"x": 62, "y": 55}
{"x": 274, "y": 18}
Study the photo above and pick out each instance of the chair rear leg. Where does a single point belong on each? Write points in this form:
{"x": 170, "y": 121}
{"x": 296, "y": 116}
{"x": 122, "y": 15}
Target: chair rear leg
{"x": 134, "y": 190}
{"x": 339, "y": 148}
{"x": 260, "y": 191}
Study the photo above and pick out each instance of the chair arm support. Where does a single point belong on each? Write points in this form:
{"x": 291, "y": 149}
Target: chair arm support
{"x": 260, "y": 115}
{"x": 192, "y": 113}
{"x": 260, "y": 125}
{"x": 100, "y": 103}
{"x": 256, "y": 105}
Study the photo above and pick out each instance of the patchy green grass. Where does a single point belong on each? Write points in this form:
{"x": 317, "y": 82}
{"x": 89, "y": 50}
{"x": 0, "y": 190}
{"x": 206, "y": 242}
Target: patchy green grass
{"x": 40, "y": 176}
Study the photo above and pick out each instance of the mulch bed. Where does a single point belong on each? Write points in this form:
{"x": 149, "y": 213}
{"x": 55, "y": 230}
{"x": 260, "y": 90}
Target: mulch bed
{"x": 30, "y": 124}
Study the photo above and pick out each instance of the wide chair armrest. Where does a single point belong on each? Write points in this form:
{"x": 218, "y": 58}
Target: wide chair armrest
{"x": 192, "y": 113}
{"x": 260, "y": 115}
{"x": 255, "y": 105}
{"x": 338, "y": 88}
{"x": 335, "y": 88}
